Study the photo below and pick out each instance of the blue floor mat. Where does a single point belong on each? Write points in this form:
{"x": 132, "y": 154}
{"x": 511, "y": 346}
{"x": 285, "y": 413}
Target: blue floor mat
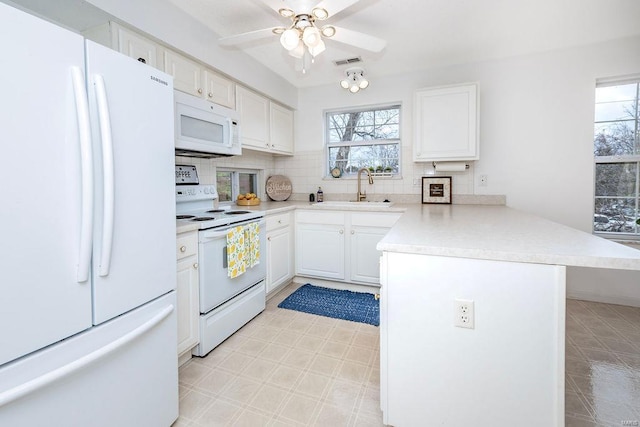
{"x": 339, "y": 304}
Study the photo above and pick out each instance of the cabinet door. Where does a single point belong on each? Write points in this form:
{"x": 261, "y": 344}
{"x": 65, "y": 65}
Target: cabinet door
{"x": 446, "y": 123}
{"x": 254, "y": 119}
{"x": 219, "y": 89}
{"x": 320, "y": 250}
{"x": 281, "y": 129}
{"x": 187, "y": 74}
{"x": 365, "y": 258}
{"x": 187, "y": 304}
{"x": 279, "y": 258}
{"x": 137, "y": 47}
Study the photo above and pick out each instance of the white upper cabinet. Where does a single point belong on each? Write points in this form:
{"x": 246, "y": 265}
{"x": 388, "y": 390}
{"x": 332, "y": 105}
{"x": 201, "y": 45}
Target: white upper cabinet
{"x": 187, "y": 74}
{"x": 281, "y": 129}
{"x": 254, "y": 119}
{"x": 219, "y": 89}
{"x": 266, "y": 126}
{"x": 195, "y": 79}
{"x": 127, "y": 42}
{"x": 446, "y": 123}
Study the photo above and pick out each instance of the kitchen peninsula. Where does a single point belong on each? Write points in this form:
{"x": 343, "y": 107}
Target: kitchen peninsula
{"x": 508, "y": 369}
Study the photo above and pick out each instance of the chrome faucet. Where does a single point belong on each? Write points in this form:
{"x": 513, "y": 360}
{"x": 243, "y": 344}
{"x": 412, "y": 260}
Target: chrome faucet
{"x": 363, "y": 195}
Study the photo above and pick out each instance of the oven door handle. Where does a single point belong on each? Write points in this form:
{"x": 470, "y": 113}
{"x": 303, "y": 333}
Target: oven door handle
{"x": 210, "y": 235}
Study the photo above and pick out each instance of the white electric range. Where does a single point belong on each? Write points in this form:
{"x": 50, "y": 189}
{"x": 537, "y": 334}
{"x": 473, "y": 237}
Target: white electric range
{"x": 226, "y": 303}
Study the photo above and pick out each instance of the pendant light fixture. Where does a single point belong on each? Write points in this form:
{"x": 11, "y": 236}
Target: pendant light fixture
{"x": 354, "y": 80}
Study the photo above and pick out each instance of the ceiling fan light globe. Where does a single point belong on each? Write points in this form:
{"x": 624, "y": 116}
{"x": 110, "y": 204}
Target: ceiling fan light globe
{"x": 286, "y": 12}
{"x": 298, "y": 51}
{"x": 318, "y": 49}
{"x": 320, "y": 13}
{"x": 328, "y": 31}
{"x": 311, "y": 37}
{"x": 290, "y": 39}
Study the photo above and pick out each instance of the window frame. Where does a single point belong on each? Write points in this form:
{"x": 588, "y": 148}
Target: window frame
{"x": 622, "y": 158}
{"x": 370, "y": 142}
{"x": 235, "y": 182}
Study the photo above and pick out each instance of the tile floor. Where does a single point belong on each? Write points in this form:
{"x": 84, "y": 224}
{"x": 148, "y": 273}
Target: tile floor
{"x": 286, "y": 368}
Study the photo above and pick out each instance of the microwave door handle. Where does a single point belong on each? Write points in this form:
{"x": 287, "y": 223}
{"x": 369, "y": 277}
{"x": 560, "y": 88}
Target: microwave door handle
{"x": 225, "y": 261}
{"x": 230, "y": 127}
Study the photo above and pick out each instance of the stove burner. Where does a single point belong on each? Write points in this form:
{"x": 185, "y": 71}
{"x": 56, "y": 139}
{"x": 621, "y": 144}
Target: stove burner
{"x": 237, "y": 212}
{"x": 185, "y": 216}
{"x": 216, "y": 210}
{"x": 203, "y": 218}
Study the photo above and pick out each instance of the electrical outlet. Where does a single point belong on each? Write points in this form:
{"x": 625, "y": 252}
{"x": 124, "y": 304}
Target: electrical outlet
{"x": 483, "y": 180}
{"x": 464, "y": 313}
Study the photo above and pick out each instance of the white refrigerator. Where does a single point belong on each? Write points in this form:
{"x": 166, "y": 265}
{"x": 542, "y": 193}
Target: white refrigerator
{"x": 87, "y": 260}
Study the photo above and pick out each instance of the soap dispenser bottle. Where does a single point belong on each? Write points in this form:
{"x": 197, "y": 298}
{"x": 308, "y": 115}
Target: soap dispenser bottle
{"x": 320, "y": 195}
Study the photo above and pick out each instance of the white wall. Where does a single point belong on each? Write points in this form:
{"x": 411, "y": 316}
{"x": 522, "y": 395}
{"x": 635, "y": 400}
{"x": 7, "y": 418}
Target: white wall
{"x": 536, "y": 125}
{"x": 536, "y": 138}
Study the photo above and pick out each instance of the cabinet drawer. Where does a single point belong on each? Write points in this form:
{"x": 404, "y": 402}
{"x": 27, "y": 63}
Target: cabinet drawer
{"x": 320, "y": 217}
{"x": 373, "y": 219}
{"x": 186, "y": 245}
{"x": 277, "y": 221}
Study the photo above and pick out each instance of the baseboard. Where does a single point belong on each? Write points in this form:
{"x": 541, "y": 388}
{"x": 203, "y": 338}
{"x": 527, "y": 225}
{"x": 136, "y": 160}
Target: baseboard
{"x": 370, "y": 289}
{"x": 608, "y": 299}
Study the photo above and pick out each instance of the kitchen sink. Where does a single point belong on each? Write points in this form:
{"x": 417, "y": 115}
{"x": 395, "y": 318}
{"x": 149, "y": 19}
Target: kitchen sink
{"x": 354, "y": 204}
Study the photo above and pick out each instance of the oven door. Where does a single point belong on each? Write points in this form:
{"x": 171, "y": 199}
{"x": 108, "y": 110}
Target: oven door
{"x": 216, "y": 287}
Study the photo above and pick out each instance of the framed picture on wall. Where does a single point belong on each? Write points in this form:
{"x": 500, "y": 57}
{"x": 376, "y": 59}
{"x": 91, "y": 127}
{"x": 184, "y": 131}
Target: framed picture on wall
{"x": 436, "y": 189}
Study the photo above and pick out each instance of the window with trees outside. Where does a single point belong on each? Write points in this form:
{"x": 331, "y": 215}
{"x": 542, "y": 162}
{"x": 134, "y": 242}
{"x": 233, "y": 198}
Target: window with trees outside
{"x": 365, "y": 138}
{"x": 617, "y": 159}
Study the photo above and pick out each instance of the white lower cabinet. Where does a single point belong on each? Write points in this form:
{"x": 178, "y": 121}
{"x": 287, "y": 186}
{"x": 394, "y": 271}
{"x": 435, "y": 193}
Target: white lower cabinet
{"x": 279, "y": 250}
{"x": 187, "y": 294}
{"x": 341, "y": 245}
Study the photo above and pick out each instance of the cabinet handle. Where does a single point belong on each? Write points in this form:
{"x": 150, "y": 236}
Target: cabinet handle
{"x": 183, "y": 248}
{"x": 341, "y": 231}
{"x": 279, "y": 221}
{"x": 269, "y": 238}
{"x": 210, "y": 95}
{"x": 200, "y": 91}
{"x": 353, "y": 232}
{"x": 195, "y": 265}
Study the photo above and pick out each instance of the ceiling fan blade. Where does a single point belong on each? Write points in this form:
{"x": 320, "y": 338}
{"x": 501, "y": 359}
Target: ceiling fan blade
{"x": 335, "y": 6}
{"x": 246, "y": 37}
{"x": 358, "y": 39}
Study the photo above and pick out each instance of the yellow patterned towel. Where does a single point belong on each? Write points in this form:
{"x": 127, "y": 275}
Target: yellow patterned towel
{"x": 236, "y": 252}
{"x": 253, "y": 243}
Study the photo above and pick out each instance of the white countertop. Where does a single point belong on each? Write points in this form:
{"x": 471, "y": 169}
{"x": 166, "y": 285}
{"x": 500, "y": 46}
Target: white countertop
{"x": 503, "y": 234}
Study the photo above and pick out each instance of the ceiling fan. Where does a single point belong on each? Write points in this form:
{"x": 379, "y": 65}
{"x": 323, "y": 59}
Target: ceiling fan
{"x": 304, "y": 37}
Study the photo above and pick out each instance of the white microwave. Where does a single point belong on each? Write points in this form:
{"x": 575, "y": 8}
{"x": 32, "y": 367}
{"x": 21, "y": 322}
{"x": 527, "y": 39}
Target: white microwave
{"x": 204, "y": 129}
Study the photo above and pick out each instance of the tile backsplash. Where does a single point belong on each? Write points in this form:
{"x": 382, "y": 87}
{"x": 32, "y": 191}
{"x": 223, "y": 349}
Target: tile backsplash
{"x": 306, "y": 170}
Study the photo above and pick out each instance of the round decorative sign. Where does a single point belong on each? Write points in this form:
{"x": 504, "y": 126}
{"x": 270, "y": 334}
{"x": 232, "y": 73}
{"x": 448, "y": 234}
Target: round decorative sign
{"x": 278, "y": 187}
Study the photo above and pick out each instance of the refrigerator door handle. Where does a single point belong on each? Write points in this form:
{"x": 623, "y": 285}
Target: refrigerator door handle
{"x": 57, "y": 374}
{"x": 108, "y": 176}
{"x": 86, "y": 162}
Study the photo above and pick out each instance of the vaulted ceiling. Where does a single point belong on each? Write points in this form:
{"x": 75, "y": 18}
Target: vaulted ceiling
{"x": 421, "y": 34}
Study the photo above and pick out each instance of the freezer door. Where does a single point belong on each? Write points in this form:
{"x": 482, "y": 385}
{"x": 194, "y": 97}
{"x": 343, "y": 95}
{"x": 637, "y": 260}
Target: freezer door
{"x": 121, "y": 373}
{"x": 134, "y": 238}
{"x": 43, "y": 299}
